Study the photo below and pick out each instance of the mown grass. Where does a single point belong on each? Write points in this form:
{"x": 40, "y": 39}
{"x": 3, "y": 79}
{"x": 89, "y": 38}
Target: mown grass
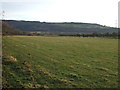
{"x": 59, "y": 62}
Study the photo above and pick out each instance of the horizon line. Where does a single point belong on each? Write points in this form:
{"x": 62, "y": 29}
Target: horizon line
{"x": 58, "y": 22}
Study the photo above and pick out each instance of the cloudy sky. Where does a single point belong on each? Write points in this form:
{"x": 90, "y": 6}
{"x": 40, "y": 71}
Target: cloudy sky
{"x": 104, "y": 12}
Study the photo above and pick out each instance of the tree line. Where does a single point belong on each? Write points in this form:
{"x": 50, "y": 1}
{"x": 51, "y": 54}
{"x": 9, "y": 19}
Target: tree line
{"x": 114, "y": 34}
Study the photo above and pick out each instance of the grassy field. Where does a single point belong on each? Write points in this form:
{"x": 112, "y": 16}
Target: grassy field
{"x": 59, "y": 62}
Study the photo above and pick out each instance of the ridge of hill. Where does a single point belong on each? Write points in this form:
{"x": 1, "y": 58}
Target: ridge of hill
{"x": 65, "y": 27}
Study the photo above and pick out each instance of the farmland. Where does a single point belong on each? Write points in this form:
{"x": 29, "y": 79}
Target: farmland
{"x": 59, "y": 62}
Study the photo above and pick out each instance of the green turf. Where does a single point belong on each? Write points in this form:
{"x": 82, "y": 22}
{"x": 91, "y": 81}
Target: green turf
{"x": 60, "y": 62}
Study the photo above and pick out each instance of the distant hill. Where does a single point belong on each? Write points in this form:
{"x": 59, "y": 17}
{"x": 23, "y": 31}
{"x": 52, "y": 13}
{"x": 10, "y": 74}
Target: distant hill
{"x": 9, "y": 30}
{"x": 66, "y": 27}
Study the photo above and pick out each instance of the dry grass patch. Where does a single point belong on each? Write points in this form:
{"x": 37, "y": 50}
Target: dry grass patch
{"x": 12, "y": 59}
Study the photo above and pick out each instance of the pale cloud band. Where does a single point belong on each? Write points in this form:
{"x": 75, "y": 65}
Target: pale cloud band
{"x": 20, "y": 0}
{"x": 119, "y": 14}
{"x": 103, "y": 12}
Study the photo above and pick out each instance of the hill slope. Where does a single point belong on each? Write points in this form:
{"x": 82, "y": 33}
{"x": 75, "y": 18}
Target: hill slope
{"x": 9, "y": 30}
{"x": 35, "y": 26}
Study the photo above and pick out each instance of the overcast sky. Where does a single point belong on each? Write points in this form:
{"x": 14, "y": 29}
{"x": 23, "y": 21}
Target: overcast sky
{"x": 104, "y": 12}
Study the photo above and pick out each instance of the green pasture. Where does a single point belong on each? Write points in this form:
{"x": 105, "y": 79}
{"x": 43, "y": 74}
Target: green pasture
{"x": 59, "y": 62}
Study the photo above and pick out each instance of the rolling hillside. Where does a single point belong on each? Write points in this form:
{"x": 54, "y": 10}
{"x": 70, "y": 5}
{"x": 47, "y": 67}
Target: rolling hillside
{"x": 9, "y": 30}
{"x": 72, "y": 27}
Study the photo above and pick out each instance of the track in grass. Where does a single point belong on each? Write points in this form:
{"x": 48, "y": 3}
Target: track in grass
{"x": 59, "y": 62}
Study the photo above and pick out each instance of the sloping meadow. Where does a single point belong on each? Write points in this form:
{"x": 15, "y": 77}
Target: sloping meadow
{"x": 59, "y": 62}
